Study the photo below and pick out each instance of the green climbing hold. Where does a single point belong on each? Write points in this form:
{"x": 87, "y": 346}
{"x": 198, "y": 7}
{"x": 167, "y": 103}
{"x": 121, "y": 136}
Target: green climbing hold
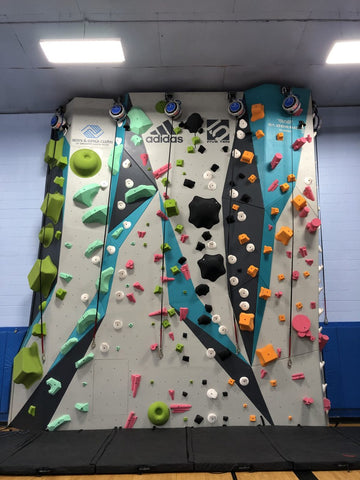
{"x": 160, "y": 106}
{"x": 179, "y": 347}
{"x": 39, "y": 330}
{"x": 66, "y": 276}
{"x": 68, "y": 345}
{"x": 48, "y": 272}
{"x": 42, "y": 306}
{"x": 52, "y": 206}
{"x": 158, "y": 289}
{"x": 49, "y": 152}
{"x": 58, "y": 422}
{"x": 87, "y": 319}
{"x": 27, "y": 367}
{"x": 116, "y": 234}
{"x": 165, "y": 247}
{"x": 136, "y": 140}
{"x": 58, "y": 234}
{"x": 139, "y": 121}
{"x": 179, "y": 163}
{"x": 106, "y": 276}
{"x": 179, "y": 228}
{"x": 68, "y": 245}
{"x": 141, "y": 191}
{"x": 96, "y": 215}
{"x": 166, "y": 323}
{"x": 83, "y": 361}
{"x": 177, "y": 130}
{"x": 92, "y": 247}
{"x": 171, "y": 207}
{"x": 165, "y": 182}
{"x": 82, "y": 407}
{"x": 190, "y": 149}
{"x": 54, "y": 385}
{"x": 59, "y": 181}
{"x": 158, "y": 413}
{"x": 85, "y": 163}
{"x": 114, "y": 159}
{"x": 32, "y": 410}
{"x": 86, "y": 194}
{"x": 46, "y": 235}
{"x": 196, "y": 140}
{"x": 175, "y": 269}
{"x": 61, "y": 293}
{"x": 171, "y": 312}
{"x": 53, "y": 154}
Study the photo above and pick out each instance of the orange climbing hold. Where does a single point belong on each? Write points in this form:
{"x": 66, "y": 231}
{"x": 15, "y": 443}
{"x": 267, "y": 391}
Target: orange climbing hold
{"x": 252, "y": 418}
{"x": 281, "y": 277}
{"x": 231, "y": 381}
{"x": 259, "y": 134}
{"x": 291, "y": 178}
{"x": 299, "y": 202}
{"x": 284, "y": 235}
{"x": 252, "y": 271}
{"x": 273, "y": 383}
{"x": 243, "y": 238}
{"x": 235, "y": 207}
{"x": 265, "y": 293}
{"x": 267, "y": 249}
{"x": 252, "y": 178}
{"x": 247, "y": 157}
{"x": 306, "y": 274}
{"x": 266, "y": 354}
{"x": 257, "y": 112}
{"x": 284, "y": 187}
{"x": 299, "y": 305}
{"x": 280, "y": 136}
{"x": 246, "y": 321}
{"x": 282, "y": 318}
{"x": 274, "y": 211}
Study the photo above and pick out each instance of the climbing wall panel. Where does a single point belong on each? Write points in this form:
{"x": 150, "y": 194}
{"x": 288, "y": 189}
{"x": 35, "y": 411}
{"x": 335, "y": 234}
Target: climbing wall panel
{"x": 186, "y": 283}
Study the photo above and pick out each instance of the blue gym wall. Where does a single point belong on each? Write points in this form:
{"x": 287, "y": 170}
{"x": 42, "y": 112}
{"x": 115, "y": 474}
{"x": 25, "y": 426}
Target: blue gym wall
{"x": 23, "y": 139}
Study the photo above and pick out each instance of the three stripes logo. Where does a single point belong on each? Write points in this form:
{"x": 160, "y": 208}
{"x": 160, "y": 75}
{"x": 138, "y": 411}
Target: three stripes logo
{"x": 164, "y": 133}
{"x": 92, "y": 131}
{"x": 218, "y": 131}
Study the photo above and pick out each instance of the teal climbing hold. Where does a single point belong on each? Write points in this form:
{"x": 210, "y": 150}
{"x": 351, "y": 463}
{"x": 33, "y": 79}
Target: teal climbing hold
{"x": 96, "y": 215}
{"x": 52, "y": 206}
{"x": 54, "y": 385}
{"x": 83, "y": 361}
{"x": 93, "y": 247}
{"x": 86, "y": 194}
{"x": 139, "y": 121}
{"x": 58, "y": 422}
{"x": 116, "y": 234}
{"x": 114, "y": 159}
{"x": 141, "y": 191}
{"x": 136, "y": 140}
{"x": 48, "y": 273}
{"x": 68, "y": 345}
{"x": 66, "y": 276}
{"x": 106, "y": 276}
{"x": 82, "y": 407}
{"x": 27, "y": 368}
{"x": 87, "y": 319}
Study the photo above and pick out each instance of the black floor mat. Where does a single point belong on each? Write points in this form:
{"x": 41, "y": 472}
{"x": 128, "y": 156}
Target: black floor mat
{"x": 11, "y": 442}
{"x": 352, "y": 433}
{"x": 314, "y": 448}
{"x": 227, "y": 449}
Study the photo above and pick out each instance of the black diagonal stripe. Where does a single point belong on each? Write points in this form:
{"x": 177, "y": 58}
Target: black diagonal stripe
{"x": 167, "y": 125}
{"x": 305, "y": 475}
{"x": 161, "y": 130}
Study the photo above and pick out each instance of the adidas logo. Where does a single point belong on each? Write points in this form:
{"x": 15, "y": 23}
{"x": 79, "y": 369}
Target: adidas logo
{"x": 164, "y": 133}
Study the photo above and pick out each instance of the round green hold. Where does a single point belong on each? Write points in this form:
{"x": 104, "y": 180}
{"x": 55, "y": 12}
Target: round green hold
{"x": 85, "y": 163}
{"x": 158, "y": 413}
{"x": 160, "y": 106}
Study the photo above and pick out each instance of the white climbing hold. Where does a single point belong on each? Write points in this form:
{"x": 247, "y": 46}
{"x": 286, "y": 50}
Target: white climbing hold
{"x": 118, "y": 324}
{"x": 210, "y": 353}
{"x": 84, "y": 297}
{"x": 129, "y": 183}
{"x": 244, "y": 381}
{"x": 122, "y": 273}
{"x": 241, "y": 216}
{"x": 233, "y": 193}
{"x": 121, "y": 205}
{"x": 208, "y": 175}
{"x": 212, "y": 393}
{"x": 250, "y": 247}
{"x": 126, "y": 163}
{"x": 236, "y": 153}
{"x": 127, "y": 224}
{"x": 244, "y": 292}
{"x": 104, "y": 347}
{"x": 243, "y": 123}
{"x": 104, "y": 184}
{"x": 233, "y": 281}
{"x": 308, "y": 180}
{"x": 216, "y": 318}
{"x": 211, "y": 244}
{"x": 322, "y": 364}
{"x": 119, "y": 295}
{"x": 95, "y": 259}
{"x": 110, "y": 249}
{"x": 232, "y": 259}
{"x": 244, "y": 306}
{"x": 212, "y": 185}
{"x": 222, "y": 330}
{"x": 212, "y": 418}
{"x": 240, "y": 134}
{"x": 118, "y": 140}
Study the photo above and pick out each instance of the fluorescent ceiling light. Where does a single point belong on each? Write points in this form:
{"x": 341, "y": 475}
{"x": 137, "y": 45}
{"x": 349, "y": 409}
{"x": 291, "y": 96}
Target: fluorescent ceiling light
{"x": 345, "y": 52}
{"x": 83, "y": 51}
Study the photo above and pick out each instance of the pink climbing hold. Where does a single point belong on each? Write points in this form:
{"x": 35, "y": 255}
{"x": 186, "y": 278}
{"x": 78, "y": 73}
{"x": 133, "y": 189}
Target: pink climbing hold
{"x": 295, "y": 275}
{"x": 185, "y": 271}
{"x": 179, "y": 407}
{"x": 301, "y": 323}
{"x": 171, "y": 335}
{"x": 303, "y": 251}
{"x": 158, "y": 257}
{"x": 183, "y": 238}
{"x": 288, "y": 253}
{"x": 309, "y": 138}
{"x": 278, "y": 350}
{"x": 183, "y": 312}
{"x": 160, "y": 171}
{"x": 297, "y": 376}
{"x": 270, "y": 227}
{"x": 166, "y": 196}
{"x": 304, "y": 212}
{"x": 135, "y": 382}
{"x": 309, "y": 261}
{"x": 172, "y": 394}
{"x": 308, "y": 400}
{"x": 278, "y": 294}
{"x": 131, "y": 297}
{"x": 141, "y": 234}
{"x": 138, "y": 286}
{"x": 312, "y": 305}
{"x": 162, "y": 215}
{"x": 276, "y": 160}
{"x": 327, "y": 404}
{"x": 323, "y": 339}
{"x": 299, "y": 143}
{"x": 165, "y": 279}
{"x": 130, "y": 264}
{"x": 273, "y": 186}
{"x": 158, "y": 312}
{"x": 312, "y": 226}
{"x": 308, "y": 193}
{"x": 130, "y": 422}
{"x": 153, "y": 347}
{"x": 263, "y": 373}
{"x": 144, "y": 158}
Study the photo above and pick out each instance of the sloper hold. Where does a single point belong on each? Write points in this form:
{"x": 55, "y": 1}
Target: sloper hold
{"x": 87, "y": 319}
{"x": 39, "y": 330}
{"x": 141, "y": 191}
{"x": 139, "y": 121}
{"x": 86, "y": 194}
{"x": 46, "y": 235}
{"x": 92, "y": 247}
{"x": 68, "y": 345}
{"x": 80, "y": 363}
{"x": 114, "y": 159}
{"x": 27, "y": 367}
{"x": 96, "y": 215}
{"x": 52, "y": 206}
{"x": 57, "y": 422}
{"x": 204, "y": 212}
{"x": 106, "y": 276}
{"x": 212, "y": 267}
{"x": 48, "y": 274}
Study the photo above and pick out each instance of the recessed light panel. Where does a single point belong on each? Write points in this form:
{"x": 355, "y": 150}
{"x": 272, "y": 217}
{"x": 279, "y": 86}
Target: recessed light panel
{"x": 83, "y": 51}
{"x": 345, "y": 52}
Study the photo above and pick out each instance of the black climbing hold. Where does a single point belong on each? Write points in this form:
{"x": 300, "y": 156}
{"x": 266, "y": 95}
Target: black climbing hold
{"x": 200, "y": 246}
{"x": 201, "y": 130}
{"x": 189, "y": 183}
{"x": 201, "y": 149}
{"x": 204, "y": 212}
{"x": 204, "y": 382}
{"x": 185, "y": 358}
{"x": 184, "y": 335}
{"x": 211, "y": 267}
{"x": 206, "y": 235}
{"x": 239, "y": 270}
{"x": 214, "y": 167}
{"x": 225, "y": 418}
{"x": 208, "y": 308}
{"x": 232, "y": 183}
{"x": 204, "y": 320}
{"x": 184, "y": 394}
{"x": 202, "y": 289}
{"x": 182, "y": 260}
{"x": 242, "y": 175}
{"x": 224, "y": 354}
{"x": 225, "y": 149}
{"x": 225, "y": 394}
{"x": 193, "y": 123}
{"x": 198, "y": 419}
{"x": 245, "y": 198}
{"x": 230, "y": 219}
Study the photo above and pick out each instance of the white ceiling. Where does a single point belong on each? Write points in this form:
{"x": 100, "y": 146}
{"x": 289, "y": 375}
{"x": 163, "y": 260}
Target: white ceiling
{"x": 183, "y": 45}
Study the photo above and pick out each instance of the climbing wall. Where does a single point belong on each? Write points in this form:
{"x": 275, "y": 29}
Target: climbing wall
{"x": 177, "y": 280}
